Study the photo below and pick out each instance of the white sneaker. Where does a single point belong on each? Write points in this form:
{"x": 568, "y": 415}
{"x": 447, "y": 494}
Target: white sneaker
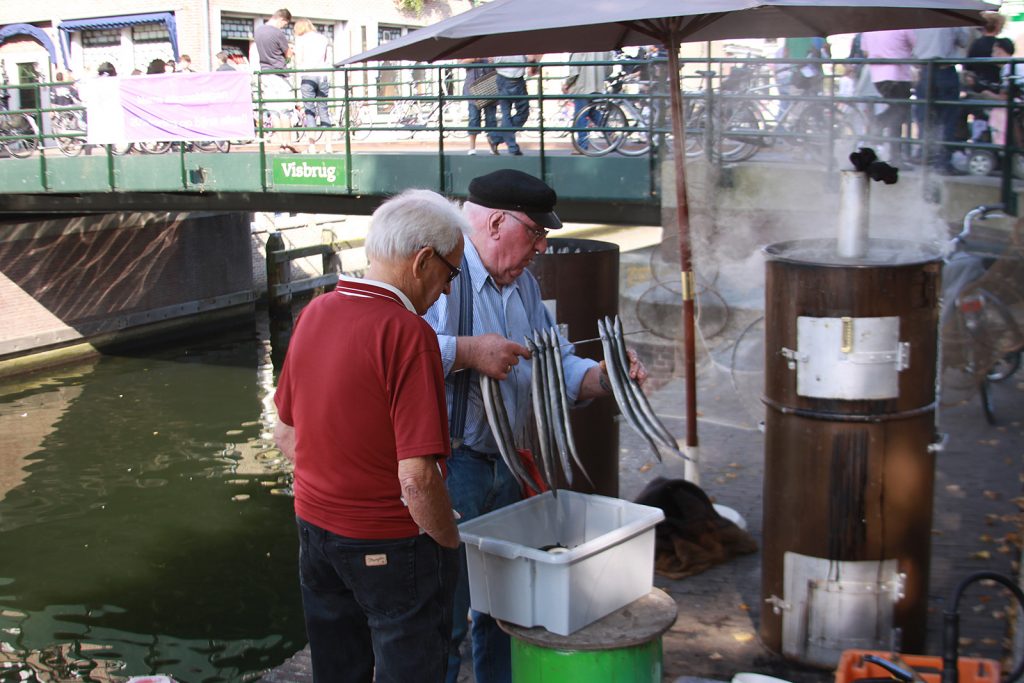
{"x": 471, "y": 152}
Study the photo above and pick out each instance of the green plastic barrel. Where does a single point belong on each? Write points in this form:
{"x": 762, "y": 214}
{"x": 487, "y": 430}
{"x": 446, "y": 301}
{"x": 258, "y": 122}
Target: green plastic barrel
{"x": 535, "y": 664}
{"x": 622, "y": 647}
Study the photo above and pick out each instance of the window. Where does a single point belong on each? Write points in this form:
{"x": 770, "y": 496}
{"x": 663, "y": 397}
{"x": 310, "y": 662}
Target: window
{"x": 101, "y": 37}
{"x": 386, "y": 33}
{"x": 150, "y": 33}
{"x": 236, "y": 27}
{"x": 327, "y": 30}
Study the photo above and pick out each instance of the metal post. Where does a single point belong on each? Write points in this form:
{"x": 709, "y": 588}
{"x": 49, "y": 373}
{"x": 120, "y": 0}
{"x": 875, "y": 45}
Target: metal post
{"x": 348, "y": 132}
{"x": 1011, "y": 147}
{"x": 278, "y": 273}
{"x": 442, "y": 189}
{"x": 540, "y": 120}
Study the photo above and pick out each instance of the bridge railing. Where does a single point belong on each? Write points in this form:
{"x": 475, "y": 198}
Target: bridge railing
{"x": 736, "y": 108}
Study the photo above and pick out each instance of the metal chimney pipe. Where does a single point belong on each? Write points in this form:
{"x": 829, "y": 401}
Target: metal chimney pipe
{"x": 853, "y": 214}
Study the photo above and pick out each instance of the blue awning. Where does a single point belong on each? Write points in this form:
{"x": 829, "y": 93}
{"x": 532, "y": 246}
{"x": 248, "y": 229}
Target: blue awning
{"x": 67, "y": 27}
{"x": 30, "y": 30}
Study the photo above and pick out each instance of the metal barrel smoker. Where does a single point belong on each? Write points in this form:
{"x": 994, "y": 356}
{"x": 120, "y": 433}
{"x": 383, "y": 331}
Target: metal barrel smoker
{"x": 850, "y": 371}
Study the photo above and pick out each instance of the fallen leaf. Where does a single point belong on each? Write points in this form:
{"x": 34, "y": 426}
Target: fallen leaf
{"x": 992, "y": 495}
{"x": 999, "y": 615}
{"x": 715, "y": 657}
{"x": 745, "y": 607}
{"x": 735, "y": 465}
{"x": 985, "y": 538}
{"x": 743, "y": 637}
{"x": 966, "y": 642}
{"x": 646, "y": 467}
{"x": 981, "y": 555}
{"x": 954, "y": 489}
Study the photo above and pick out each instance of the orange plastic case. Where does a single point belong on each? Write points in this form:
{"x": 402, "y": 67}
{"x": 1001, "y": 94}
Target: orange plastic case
{"x": 852, "y": 667}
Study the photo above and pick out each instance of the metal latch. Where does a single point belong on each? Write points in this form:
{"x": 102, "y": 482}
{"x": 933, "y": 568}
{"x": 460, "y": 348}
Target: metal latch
{"x": 778, "y": 604}
{"x": 792, "y": 357}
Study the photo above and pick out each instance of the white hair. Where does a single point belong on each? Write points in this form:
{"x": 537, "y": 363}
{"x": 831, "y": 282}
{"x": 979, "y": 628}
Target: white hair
{"x": 412, "y": 220}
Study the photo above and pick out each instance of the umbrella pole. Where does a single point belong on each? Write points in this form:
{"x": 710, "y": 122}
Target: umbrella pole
{"x": 685, "y": 256}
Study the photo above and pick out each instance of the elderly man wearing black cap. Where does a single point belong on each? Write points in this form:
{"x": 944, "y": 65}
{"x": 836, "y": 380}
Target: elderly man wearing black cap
{"x": 481, "y": 323}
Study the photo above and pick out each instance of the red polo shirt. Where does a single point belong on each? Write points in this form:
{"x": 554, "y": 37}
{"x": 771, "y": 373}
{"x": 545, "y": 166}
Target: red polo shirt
{"x": 363, "y": 387}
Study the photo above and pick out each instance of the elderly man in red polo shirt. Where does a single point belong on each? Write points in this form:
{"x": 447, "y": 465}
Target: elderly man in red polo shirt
{"x": 361, "y": 407}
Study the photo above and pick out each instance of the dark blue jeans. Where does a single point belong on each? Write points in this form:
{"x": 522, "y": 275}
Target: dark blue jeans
{"x": 312, "y": 90}
{"x": 515, "y": 87}
{"x": 939, "y": 83}
{"x": 490, "y": 117}
{"x": 478, "y": 484}
{"x": 582, "y": 134}
{"x": 376, "y": 605}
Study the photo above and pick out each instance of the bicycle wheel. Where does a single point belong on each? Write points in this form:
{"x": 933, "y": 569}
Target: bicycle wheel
{"x": 601, "y": 124}
{"x": 734, "y": 138}
{"x": 695, "y": 123}
{"x": 21, "y": 125}
{"x": 636, "y": 140}
{"x": 213, "y": 145}
{"x": 159, "y": 147}
{"x": 823, "y": 130}
{"x": 455, "y": 123}
{"x": 990, "y": 324}
{"x": 65, "y": 122}
{"x": 1004, "y": 367}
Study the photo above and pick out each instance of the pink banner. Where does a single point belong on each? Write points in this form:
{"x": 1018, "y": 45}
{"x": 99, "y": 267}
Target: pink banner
{"x": 186, "y": 106}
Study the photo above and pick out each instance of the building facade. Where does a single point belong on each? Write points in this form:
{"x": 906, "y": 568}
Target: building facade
{"x": 38, "y": 40}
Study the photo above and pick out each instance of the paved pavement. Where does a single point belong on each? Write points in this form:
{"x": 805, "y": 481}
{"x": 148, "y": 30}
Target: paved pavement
{"x": 976, "y": 524}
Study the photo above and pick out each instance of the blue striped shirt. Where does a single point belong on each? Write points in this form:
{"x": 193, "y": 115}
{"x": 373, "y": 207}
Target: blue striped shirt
{"x": 513, "y": 312}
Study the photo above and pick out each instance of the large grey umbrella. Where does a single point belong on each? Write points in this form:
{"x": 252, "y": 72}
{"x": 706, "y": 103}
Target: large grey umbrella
{"x": 510, "y": 27}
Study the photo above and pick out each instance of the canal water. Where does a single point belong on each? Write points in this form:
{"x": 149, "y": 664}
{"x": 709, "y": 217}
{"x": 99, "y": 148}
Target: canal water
{"x": 146, "y": 522}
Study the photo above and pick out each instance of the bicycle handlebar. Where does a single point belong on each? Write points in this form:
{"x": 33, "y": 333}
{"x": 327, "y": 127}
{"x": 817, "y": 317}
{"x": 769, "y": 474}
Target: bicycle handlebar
{"x": 983, "y": 212}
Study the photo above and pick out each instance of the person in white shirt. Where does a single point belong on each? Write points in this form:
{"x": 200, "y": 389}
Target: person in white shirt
{"x": 312, "y": 52}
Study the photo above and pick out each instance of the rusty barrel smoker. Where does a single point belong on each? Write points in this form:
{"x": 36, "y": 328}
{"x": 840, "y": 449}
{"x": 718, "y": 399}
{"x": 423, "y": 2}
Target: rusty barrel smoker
{"x": 850, "y": 358}
{"x": 579, "y": 282}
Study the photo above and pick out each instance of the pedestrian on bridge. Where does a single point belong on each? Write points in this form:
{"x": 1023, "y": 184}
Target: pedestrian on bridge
{"x": 515, "y": 107}
{"x": 274, "y": 53}
{"x": 361, "y": 413}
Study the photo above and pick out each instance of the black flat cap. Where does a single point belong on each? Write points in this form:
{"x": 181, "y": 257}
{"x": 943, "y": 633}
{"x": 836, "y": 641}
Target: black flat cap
{"x": 516, "y": 191}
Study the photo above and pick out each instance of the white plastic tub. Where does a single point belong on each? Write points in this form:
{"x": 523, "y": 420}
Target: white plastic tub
{"x": 609, "y": 561}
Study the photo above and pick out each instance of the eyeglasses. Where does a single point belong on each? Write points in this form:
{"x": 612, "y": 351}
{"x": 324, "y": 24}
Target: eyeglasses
{"x": 455, "y": 270}
{"x": 537, "y": 233}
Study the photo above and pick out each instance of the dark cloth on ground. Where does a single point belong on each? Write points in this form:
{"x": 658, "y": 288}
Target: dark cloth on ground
{"x": 693, "y": 537}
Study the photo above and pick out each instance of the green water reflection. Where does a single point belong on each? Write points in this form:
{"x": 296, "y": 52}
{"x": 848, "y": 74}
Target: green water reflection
{"x": 145, "y": 525}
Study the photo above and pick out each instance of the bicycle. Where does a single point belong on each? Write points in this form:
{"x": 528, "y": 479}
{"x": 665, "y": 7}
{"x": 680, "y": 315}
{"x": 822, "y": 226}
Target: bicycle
{"x": 744, "y": 125}
{"x": 981, "y": 340}
{"x": 622, "y": 125}
{"x": 72, "y": 123}
{"x": 19, "y": 134}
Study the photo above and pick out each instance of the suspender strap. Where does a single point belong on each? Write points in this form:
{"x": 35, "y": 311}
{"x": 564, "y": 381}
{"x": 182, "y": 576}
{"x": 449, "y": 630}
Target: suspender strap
{"x": 460, "y": 385}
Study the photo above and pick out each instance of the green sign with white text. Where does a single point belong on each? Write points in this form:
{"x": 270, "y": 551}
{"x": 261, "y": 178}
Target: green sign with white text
{"x": 313, "y": 171}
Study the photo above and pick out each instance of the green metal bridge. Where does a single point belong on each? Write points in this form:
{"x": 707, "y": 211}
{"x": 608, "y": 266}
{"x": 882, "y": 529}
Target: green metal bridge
{"x": 611, "y": 189}
{"x": 363, "y": 171}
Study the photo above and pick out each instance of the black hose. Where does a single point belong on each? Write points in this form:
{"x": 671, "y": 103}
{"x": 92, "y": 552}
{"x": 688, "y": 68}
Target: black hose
{"x": 951, "y": 626}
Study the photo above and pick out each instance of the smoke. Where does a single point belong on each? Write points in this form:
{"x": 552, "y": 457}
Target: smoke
{"x": 736, "y": 213}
